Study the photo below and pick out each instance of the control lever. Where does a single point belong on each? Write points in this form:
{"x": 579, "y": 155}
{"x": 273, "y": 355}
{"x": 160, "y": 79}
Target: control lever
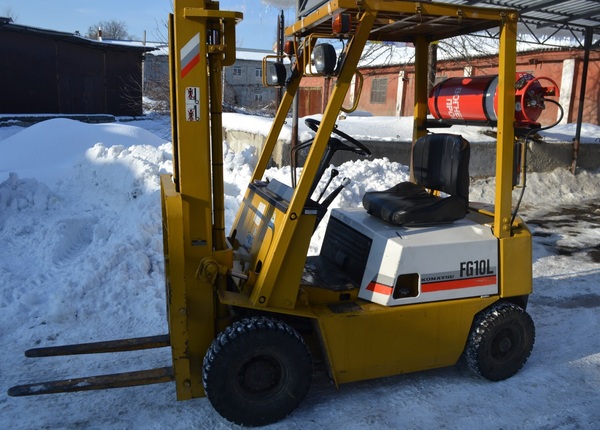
{"x": 334, "y": 173}
{"x": 335, "y": 192}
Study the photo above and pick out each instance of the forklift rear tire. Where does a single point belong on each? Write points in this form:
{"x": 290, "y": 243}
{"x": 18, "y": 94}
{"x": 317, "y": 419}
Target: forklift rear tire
{"x": 500, "y": 342}
{"x": 257, "y": 371}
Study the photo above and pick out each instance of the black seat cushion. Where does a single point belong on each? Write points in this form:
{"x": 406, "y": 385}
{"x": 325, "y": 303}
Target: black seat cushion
{"x": 440, "y": 162}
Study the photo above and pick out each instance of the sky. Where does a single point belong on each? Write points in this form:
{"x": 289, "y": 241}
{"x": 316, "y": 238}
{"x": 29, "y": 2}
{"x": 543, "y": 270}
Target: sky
{"x": 257, "y": 30}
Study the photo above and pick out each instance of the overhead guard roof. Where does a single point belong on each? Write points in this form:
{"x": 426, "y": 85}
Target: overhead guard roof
{"x": 575, "y": 16}
{"x": 402, "y": 21}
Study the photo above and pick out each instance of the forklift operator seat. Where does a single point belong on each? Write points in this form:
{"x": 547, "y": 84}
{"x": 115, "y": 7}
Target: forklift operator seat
{"x": 440, "y": 163}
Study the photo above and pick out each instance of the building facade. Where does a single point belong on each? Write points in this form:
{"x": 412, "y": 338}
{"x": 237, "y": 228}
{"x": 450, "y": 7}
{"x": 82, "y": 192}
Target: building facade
{"x": 46, "y": 71}
{"x": 243, "y": 82}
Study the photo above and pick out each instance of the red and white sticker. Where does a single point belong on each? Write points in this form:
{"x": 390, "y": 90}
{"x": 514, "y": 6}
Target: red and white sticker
{"x": 190, "y": 55}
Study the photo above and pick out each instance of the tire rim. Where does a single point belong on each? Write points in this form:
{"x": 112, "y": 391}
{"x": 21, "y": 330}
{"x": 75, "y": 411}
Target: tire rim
{"x": 505, "y": 344}
{"x": 259, "y": 375}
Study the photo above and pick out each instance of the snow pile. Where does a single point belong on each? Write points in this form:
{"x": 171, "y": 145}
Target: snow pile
{"x": 590, "y": 133}
{"x": 361, "y": 126}
{"x": 253, "y": 124}
{"x": 81, "y": 260}
{"x": 365, "y": 127}
{"x": 96, "y": 223}
{"x": 64, "y": 140}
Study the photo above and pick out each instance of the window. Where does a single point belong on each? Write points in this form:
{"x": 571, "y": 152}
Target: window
{"x": 439, "y": 78}
{"x": 379, "y": 90}
{"x": 237, "y": 71}
{"x": 258, "y": 72}
{"x": 258, "y": 97}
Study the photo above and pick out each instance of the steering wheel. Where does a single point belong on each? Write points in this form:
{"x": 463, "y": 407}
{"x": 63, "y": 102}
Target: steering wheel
{"x": 358, "y": 147}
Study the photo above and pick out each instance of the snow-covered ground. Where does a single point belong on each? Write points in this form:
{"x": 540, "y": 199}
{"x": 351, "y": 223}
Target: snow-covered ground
{"x": 81, "y": 260}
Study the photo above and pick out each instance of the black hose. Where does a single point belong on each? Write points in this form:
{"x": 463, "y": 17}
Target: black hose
{"x": 524, "y": 168}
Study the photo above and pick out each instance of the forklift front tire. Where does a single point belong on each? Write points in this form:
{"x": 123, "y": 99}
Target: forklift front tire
{"x": 500, "y": 341}
{"x": 257, "y": 371}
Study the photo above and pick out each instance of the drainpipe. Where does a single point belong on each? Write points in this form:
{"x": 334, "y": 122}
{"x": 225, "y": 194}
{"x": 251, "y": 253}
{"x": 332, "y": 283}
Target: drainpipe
{"x": 586, "y": 59}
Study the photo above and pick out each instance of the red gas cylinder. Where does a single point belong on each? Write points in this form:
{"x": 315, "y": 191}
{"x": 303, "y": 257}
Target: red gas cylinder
{"x": 474, "y": 100}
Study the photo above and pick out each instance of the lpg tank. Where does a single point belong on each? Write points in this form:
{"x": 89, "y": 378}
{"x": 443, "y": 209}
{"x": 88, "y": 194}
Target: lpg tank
{"x": 474, "y": 100}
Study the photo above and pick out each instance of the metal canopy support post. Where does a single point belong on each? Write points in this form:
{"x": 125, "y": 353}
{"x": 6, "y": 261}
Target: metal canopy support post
{"x": 586, "y": 59}
{"x": 421, "y": 86}
{"x": 280, "y": 44}
{"x": 506, "y": 132}
{"x": 282, "y": 238}
{"x": 296, "y": 101}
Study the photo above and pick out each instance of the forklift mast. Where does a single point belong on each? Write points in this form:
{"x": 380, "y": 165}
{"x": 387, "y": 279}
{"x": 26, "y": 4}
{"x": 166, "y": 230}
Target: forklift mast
{"x": 196, "y": 252}
{"x": 201, "y": 43}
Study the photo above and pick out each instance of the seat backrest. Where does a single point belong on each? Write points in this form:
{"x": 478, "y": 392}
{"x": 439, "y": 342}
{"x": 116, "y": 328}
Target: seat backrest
{"x": 441, "y": 162}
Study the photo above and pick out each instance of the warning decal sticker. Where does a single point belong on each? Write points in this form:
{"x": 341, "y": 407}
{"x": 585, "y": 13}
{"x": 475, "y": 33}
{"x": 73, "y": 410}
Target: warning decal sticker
{"x": 192, "y": 102}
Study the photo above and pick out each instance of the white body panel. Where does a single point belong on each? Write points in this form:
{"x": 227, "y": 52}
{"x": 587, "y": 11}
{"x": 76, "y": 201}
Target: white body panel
{"x": 440, "y": 262}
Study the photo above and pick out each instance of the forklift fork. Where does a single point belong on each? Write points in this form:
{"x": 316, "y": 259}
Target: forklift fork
{"x": 100, "y": 382}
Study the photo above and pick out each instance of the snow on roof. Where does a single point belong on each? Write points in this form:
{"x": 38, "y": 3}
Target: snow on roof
{"x": 7, "y": 24}
{"x": 252, "y": 54}
{"x": 162, "y": 48}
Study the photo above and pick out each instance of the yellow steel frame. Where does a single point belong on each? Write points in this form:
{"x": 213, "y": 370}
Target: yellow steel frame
{"x": 369, "y": 342}
{"x": 506, "y": 20}
{"x": 372, "y": 340}
{"x": 506, "y": 132}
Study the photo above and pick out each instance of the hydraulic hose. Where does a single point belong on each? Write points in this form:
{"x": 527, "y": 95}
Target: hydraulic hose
{"x": 529, "y": 133}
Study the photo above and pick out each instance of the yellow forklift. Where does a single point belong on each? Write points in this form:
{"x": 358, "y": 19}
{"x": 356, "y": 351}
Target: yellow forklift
{"x": 413, "y": 280}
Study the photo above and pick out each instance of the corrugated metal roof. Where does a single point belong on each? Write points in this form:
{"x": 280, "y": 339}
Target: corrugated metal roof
{"x": 578, "y": 17}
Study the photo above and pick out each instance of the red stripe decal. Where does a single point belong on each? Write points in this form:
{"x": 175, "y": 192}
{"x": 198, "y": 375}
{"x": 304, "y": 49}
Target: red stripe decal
{"x": 458, "y": 284}
{"x": 189, "y": 66}
{"x": 380, "y": 288}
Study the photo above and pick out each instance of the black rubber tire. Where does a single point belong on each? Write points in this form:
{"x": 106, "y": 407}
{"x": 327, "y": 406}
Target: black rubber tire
{"x": 257, "y": 371}
{"x": 500, "y": 341}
